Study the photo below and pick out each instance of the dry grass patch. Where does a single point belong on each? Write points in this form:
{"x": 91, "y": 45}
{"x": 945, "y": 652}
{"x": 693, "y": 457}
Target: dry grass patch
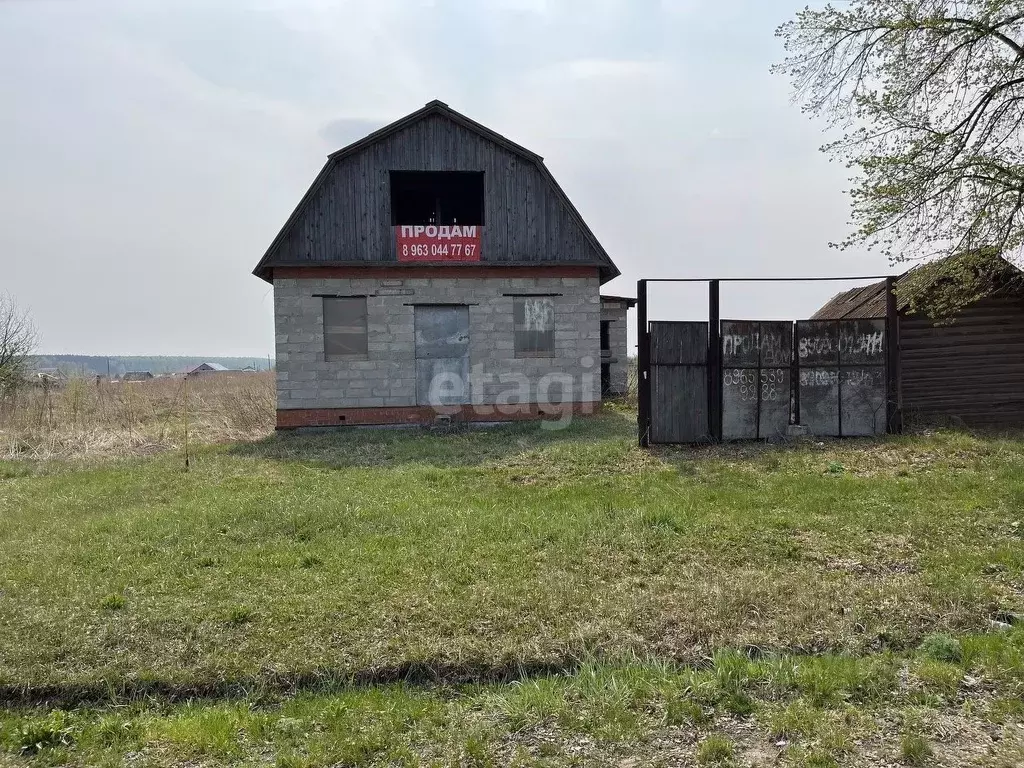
{"x": 86, "y": 419}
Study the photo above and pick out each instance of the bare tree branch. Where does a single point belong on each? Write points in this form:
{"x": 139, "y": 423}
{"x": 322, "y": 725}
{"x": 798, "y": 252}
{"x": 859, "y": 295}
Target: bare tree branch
{"x": 930, "y": 97}
{"x": 993, "y": 31}
{"x": 18, "y": 340}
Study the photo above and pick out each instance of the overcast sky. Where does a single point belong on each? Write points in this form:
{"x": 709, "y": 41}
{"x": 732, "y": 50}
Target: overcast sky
{"x": 152, "y": 150}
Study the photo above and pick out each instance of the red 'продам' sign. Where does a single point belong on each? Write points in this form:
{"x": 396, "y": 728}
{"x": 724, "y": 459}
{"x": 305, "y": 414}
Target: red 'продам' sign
{"x": 433, "y": 243}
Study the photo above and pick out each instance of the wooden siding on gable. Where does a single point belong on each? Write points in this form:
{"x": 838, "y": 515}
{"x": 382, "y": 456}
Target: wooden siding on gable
{"x": 346, "y": 219}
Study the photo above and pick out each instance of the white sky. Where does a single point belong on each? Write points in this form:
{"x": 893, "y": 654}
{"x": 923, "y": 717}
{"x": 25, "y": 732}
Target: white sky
{"x": 152, "y": 150}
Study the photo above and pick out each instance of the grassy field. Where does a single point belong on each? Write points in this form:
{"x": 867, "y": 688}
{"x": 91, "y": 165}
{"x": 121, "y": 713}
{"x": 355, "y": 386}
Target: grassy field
{"x": 518, "y": 596}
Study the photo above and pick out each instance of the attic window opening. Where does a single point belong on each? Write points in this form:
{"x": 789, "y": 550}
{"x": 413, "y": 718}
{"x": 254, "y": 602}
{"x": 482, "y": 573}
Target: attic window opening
{"x": 442, "y": 198}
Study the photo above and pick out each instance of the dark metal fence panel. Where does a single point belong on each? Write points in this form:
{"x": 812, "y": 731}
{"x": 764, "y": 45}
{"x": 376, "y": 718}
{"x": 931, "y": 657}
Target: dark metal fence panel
{"x": 740, "y": 403}
{"x": 863, "y": 401}
{"x": 819, "y": 400}
{"x": 817, "y": 350}
{"x": 862, "y": 377}
{"x": 740, "y": 374}
{"x": 756, "y": 389}
{"x": 776, "y": 402}
{"x": 817, "y": 343}
{"x": 842, "y": 376}
{"x": 862, "y": 342}
{"x": 643, "y": 355}
{"x": 679, "y": 382}
{"x": 776, "y": 380}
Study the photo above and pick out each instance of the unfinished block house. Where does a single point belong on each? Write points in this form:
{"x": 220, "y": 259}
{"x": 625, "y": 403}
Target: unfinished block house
{"x": 437, "y": 268}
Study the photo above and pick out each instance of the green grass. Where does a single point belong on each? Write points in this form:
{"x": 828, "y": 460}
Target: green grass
{"x": 113, "y": 602}
{"x": 914, "y": 750}
{"x": 599, "y": 711}
{"x": 941, "y": 648}
{"x": 716, "y": 749}
{"x": 514, "y": 596}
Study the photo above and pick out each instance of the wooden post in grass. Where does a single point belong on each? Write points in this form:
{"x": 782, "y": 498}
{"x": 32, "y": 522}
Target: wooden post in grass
{"x": 643, "y": 379}
{"x": 893, "y": 417}
{"x": 185, "y": 398}
{"x": 714, "y": 362}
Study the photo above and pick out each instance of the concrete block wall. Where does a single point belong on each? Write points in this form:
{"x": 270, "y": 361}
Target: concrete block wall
{"x": 386, "y": 376}
{"x": 618, "y": 343}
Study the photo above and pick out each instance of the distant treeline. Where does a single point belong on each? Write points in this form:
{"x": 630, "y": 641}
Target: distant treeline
{"x": 91, "y": 365}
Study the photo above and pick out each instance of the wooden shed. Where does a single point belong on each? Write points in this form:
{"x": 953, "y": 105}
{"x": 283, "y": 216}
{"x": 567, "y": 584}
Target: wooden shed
{"x": 964, "y": 368}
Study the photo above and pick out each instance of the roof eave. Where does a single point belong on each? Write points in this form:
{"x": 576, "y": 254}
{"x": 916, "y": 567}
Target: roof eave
{"x": 261, "y": 269}
{"x": 607, "y": 275}
{"x": 627, "y": 300}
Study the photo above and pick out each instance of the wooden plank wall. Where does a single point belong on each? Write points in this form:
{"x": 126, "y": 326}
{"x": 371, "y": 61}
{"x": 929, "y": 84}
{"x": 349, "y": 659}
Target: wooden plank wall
{"x": 970, "y": 371}
{"x": 679, "y": 382}
{"x": 349, "y": 218}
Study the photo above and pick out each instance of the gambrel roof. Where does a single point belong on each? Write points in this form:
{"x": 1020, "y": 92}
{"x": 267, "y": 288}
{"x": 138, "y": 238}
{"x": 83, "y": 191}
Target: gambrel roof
{"x": 344, "y": 217}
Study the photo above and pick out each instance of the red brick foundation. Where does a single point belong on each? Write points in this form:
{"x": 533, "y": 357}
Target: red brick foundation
{"x": 295, "y": 418}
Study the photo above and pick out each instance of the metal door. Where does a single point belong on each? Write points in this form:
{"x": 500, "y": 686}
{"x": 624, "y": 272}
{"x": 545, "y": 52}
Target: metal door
{"x": 442, "y": 355}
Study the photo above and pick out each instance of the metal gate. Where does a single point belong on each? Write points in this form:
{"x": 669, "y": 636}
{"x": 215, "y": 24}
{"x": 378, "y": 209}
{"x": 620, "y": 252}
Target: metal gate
{"x": 750, "y": 379}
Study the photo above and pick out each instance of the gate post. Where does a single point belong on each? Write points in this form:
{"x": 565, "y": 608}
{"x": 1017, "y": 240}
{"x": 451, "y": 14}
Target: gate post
{"x": 714, "y": 358}
{"x": 794, "y": 374}
{"x": 893, "y": 417}
{"x": 643, "y": 384}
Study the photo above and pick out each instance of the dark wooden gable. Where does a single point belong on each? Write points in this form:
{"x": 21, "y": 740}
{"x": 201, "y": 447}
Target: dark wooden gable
{"x": 345, "y": 217}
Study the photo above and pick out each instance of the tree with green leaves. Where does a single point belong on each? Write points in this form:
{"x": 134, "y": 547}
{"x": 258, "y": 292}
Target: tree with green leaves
{"x": 929, "y": 97}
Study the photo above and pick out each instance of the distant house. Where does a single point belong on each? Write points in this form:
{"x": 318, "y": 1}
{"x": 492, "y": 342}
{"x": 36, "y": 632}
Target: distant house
{"x": 966, "y": 368}
{"x": 436, "y": 268}
{"x": 137, "y": 376}
{"x": 207, "y": 368}
{"x": 48, "y": 377}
